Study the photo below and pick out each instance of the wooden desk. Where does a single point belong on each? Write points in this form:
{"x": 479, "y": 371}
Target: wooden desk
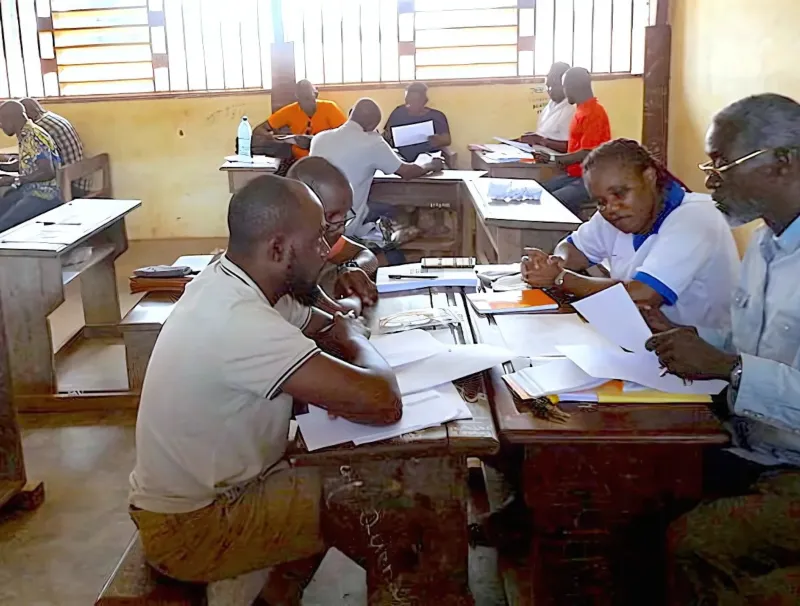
{"x": 445, "y": 200}
{"x": 33, "y": 277}
{"x": 513, "y": 170}
{"x": 413, "y": 497}
{"x": 601, "y": 488}
{"x": 503, "y": 229}
{"x": 241, "y": 173}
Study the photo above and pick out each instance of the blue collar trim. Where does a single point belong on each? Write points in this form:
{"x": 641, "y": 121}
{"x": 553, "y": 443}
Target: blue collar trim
{"x": 673, "y": 197}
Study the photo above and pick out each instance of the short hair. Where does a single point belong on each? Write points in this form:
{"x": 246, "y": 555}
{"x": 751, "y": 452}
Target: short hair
{"x": 316, "y": 172}
{"x": 265, "y": 206}
{"x": 630, "y": 153}
{"x": 763, "y": 121}
{"x": 418, "y": 87}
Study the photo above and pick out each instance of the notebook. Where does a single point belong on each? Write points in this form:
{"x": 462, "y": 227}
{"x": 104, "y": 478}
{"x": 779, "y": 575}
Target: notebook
{"x": 515, "y": 301}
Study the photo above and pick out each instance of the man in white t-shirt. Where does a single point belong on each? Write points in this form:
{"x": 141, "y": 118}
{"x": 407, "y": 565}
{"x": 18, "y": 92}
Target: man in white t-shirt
{"x": 358, "y": 150}
{"x": 556, "y": 117}
{"x": 212, "y": 494}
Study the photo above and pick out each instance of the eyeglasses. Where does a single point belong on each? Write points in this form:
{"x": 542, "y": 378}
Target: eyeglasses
{"x": 332, "y": 226}
{"x": 716, "y": 171}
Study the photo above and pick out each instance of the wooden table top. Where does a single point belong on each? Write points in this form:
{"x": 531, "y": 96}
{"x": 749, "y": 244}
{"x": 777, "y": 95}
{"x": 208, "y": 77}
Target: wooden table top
{"x": 475, "y": 437}
{"x": 547, "y": 213}
{"x": 679, "y": 423}
{"x": 444, "y": 175}
{"x": 60, "y": 230}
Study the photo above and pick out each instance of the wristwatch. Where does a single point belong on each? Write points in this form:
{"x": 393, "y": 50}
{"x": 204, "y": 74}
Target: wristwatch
{"x": 736, "y": 375}
{"x": 348, "y": 265}
{"x": 559, "y": 281}
{"x": 552, "y": 158}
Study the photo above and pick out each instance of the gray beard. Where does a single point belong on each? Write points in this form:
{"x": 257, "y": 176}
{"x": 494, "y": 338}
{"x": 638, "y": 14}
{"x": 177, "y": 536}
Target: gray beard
{"x": 740, "y": 211}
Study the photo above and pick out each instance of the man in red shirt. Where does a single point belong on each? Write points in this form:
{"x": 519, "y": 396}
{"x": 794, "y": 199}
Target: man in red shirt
{"x": 589, "y": 129}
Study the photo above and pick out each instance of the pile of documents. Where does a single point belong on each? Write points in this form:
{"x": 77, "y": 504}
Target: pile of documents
{"x": 573, "y": 360}
{"x": 412, "y": 276}
{"x": 425, "y": 370}
{"x": 173, "y": 283}
{"x": 514, "y": 190}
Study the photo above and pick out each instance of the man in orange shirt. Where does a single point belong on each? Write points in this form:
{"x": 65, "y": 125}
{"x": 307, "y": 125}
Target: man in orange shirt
{"x": 589, "y": 129}
{"x": 304, "y": 119}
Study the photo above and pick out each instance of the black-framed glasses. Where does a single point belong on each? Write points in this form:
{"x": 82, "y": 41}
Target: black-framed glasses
{"x": 349, "y": 217}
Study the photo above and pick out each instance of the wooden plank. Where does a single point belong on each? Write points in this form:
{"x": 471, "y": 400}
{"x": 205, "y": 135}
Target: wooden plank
{"x": 78, "y": 402}
{"x": 655, "y": 128}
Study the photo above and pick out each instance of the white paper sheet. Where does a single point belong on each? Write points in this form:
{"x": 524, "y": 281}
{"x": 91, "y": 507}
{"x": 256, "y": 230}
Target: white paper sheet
{"x": 614, "y": 315}
{"x": 420, "y": 411}
{"x": 406, "y": 347}
{"x": 514, "y": 190}
{"x": 412, "y": 134}
{"x": 535, "y": 335}
{"x": 559, "y": 376}
{"x": 641, "y": 367}
{"x": 519, "y": 145}
{"x": 444, "y": 277}
{"x": 457, "y": 362}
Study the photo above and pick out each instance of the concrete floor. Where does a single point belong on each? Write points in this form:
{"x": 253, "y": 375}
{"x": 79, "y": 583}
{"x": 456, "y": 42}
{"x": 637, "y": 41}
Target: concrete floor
{"x": 62, "y": 553}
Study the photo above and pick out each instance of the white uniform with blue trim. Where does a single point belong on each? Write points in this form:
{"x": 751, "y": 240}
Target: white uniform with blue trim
{"x": 689, "y": 257}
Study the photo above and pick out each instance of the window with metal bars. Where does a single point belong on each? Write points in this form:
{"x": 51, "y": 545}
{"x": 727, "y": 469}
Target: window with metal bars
{"x": 107, "y": 47}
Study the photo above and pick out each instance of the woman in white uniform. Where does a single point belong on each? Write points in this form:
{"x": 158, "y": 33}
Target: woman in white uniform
{"x": 670, "y": 248}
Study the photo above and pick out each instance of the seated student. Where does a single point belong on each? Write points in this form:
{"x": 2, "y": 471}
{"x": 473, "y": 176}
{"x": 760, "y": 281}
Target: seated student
{"x": 212, "y": 494}
{"x": 35, "y": 190}
{"x": 745, "y": 547}
{"x": 351, "y": 267}
{"x": 305, "y": 118}
{"x": 68, "y": 142}
{"x": 556, "y": 117}
{"x": 588, "y": 129}
{"x": 358, "y": 151}
{"x": 668, "y": 247}
{"x": 416, "y": 111}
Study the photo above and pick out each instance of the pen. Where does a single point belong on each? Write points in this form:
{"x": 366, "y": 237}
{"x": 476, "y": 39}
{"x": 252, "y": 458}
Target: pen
{"x": 663, "y": 372}
{"x": 414, "y": 277}
{"x": 350, "y": 314}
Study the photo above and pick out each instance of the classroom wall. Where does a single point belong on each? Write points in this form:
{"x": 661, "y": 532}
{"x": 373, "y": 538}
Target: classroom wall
{"x": 723, "y": 50}
{"x": 166, "y": 151}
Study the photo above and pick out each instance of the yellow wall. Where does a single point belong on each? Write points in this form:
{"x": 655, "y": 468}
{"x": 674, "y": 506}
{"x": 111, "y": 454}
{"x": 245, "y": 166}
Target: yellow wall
{"x": 723, "y": 50}
{"x": 166, "y": 151}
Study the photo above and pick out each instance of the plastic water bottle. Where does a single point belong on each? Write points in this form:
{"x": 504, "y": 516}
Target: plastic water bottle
{"x": 244, "y": 135}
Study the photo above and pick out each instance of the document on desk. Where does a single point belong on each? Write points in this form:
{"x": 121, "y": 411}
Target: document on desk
{"x": 558, "y": 376}
{"x": 614, "y": 315}
{"x": 447, "y": 366}
{"x": 412, "y": 134}
{"x": 420, "y": 411}
{"x": 538, "y": 335}
{"x": 411, "y": 276}
{"x": 518, "y": 144}
{"x": 639, "y": 367}
{"x": 402, "y": 348}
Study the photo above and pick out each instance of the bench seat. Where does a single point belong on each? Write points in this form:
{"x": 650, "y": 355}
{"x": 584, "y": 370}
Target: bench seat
{"x": 134, "y": 583}
{"x": 140, "y": 328}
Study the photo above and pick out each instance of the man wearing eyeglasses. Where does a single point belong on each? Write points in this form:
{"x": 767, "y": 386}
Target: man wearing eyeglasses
{"x": 745, "y": 547}
{"x": 350, "y": 271}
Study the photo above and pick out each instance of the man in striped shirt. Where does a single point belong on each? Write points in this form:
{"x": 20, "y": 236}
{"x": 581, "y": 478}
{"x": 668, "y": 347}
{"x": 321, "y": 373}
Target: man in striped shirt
{"x": 66, "y": 138}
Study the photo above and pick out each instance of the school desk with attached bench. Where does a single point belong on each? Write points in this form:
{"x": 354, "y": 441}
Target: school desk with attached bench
{"x": 498, "y": 169}
{"x": 398, "y": 507}
{"x": 38, "y": 259}
{"x": 455, "y": 215}
{"x": 601, "y": 488}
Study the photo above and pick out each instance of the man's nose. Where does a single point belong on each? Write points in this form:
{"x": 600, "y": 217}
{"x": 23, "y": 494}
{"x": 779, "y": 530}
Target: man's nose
{"x": 713, "y": 180}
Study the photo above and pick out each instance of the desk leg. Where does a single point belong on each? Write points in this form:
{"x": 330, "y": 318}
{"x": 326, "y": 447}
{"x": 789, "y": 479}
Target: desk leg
{"x": 600, "y": 513}
{"x": 407, "y": 524}
{"x": 30, "y": 289}
{"x": 99, "y": 295}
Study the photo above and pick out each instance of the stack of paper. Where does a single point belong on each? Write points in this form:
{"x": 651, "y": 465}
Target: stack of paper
{"x": 420, "y": 411}
{"x": 514, "y": 190}
{"x": 512, "y": 302}
{"x": 403, "y": 278}
{"x": 559, "y": 376}
{"x": 425, "y": 370}
{"x": 537, "y": 335}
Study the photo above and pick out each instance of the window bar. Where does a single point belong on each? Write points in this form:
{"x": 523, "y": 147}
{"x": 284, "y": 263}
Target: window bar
{"x": 49, "y": 66}
{"x": 630, "y": 45}
{"x": 160, "y": 59}
{"x": 591, "y": 42}
{"x": 572, "y": 61}
{"x": 611, "y": 41}
{"x": 322, "y": 38}
{"x": 257, "y": 17}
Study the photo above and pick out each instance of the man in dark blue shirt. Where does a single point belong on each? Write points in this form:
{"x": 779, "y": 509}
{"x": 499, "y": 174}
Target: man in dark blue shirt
{"x": 416, "y": 111}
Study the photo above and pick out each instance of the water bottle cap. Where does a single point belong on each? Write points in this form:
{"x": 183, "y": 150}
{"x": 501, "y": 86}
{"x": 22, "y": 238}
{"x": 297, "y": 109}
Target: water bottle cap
{"x": 244, "y": 118}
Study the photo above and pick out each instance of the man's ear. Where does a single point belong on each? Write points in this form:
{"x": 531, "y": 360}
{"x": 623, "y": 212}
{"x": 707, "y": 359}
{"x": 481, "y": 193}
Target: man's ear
{"x": 787, "y": 160}
{"x": 276, "y": 249}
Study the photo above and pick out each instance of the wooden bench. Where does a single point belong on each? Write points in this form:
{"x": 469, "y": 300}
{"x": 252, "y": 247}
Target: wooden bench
{"x": 86, "y": 168}
{"x": 140, "y": 329}
{"x": 135, "y": 583}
